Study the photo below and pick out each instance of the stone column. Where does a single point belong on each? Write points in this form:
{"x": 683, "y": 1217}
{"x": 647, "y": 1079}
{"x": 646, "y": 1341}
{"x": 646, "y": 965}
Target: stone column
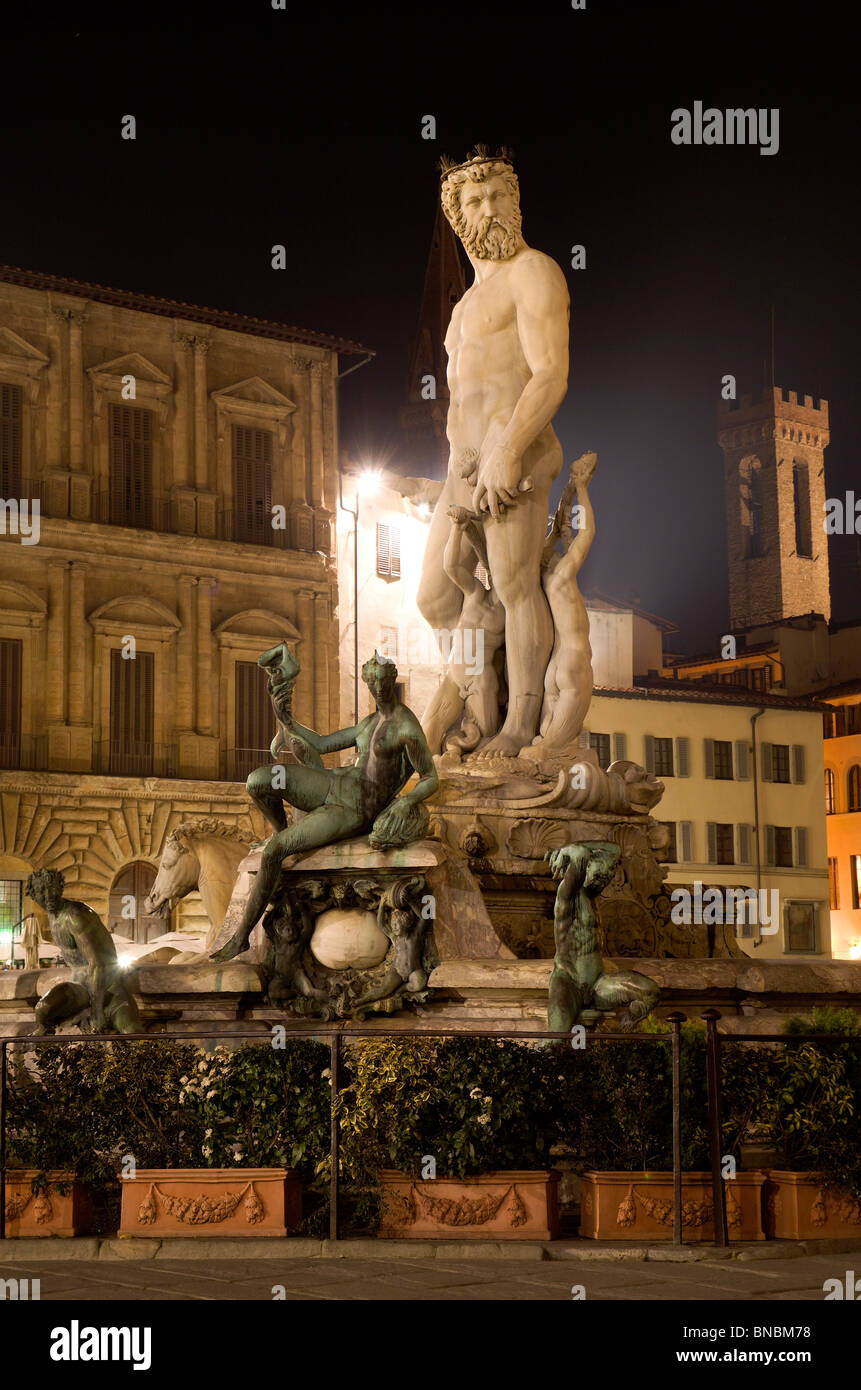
{"x": 55, "y": 677}
{"x": 184, "y": 713}
{"x": 182, "y": 423}
{"x": 55, "y": 452}
{"x": 306, "y": 711}
{"x": 321, "y": 660}
{"x": 316, "y": 434}
{"x": 79, "y": 664}
{"x": 76, "y": 389}
{"x": 201, "y": 461}
{"x": 205, "y": 677}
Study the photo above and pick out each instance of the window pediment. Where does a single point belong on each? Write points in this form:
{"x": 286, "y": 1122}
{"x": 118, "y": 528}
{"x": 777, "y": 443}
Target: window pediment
{"x": 135, "y": 615}
{"x": 257, "y": 628}
{"x": 254, "y": 397}
{"x": 21, "y": 362}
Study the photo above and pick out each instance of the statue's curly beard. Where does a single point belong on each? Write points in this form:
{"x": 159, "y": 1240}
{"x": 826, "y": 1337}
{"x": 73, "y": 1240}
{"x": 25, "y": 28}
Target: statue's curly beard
{"x": 492, "y": 239}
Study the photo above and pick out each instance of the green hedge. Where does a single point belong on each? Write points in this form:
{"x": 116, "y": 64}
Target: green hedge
{"x": 471, "y": 1104}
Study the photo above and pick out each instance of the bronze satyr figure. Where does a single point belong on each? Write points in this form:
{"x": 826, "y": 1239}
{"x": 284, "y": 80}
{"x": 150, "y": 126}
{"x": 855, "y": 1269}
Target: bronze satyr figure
{"x": 343, "y": 801}
{"x": 97, "y": 982}
{"x": 582, "y": 984}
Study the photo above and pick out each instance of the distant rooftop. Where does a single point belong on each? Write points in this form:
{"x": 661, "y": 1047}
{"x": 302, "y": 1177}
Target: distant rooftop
{"x": 177, "y": 309}
{"x": 730, "y": 695}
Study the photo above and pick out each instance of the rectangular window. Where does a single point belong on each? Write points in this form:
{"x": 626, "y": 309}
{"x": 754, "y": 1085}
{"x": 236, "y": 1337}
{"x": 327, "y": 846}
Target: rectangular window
{"x": 780, "y": 762}
{"x": 600, "y": 744}
{"x": 833, "y": 884}
{"x": 253, "y": 720}
{"x": 724, "y": 844}
{"x": 131, "y": 751}
{"x": 723, "y": 760}
{"x": 671, "y": 856}
{"x": 387, "y": 643}
{"x": 129, "y": 501}
{"x": 388, "y": 551}
{"x": 855, "y": 879}
{"x": 11, "y": 650}
{"x": 800, "y": 925}
{"x": 783, "y": 846}
{"x": 11, "y": 897}
{"x": 252, "y": 486}
{"x": 663, "y": 757}
{"x": 803, "y": 533}
{"x": 11, "y": 436}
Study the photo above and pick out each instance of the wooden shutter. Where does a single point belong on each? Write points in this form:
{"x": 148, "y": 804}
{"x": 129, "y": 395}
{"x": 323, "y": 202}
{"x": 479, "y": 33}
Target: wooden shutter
{"x": 132, "y": 713}
{"x": 770, "y": 846}
{"x": 383, "y": 550}
{"x": 711, "y": 832}
{"x": 396, "y": 552}
{"x": 252, "y": 485}
{"x": 800, "y": 847}
{"x": 649, "y": 753}
{"x": 11, "y": 439}
{"x": 709, "y": 750}
{"x": 134, "y": 881}
{"x": 742, "y": 759}
{"x": 798, "y": 762}
{"x": 583, "y": 740}
{"x": 683, "y": 757}
{"x": 686, "y": 841}
{"x": 254, "y": 721}
{"x": 767, "y": 762}
{"x": 131, "y": 436}
{"x": 620, "y": 748}
{"x": 742, "y": 844}
{"x": 11, "y": 652}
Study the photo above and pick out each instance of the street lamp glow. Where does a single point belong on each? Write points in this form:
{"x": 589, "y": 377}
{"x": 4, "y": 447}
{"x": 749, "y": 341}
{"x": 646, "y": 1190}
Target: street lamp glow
{"x": 370, "y": 481}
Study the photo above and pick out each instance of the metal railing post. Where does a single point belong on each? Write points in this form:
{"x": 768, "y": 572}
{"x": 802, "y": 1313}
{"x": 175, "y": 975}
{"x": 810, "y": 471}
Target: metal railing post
{"x": 335, "y": 1140}
{"x": 711, "y": 1017}
{"x": 677, "y": 1020}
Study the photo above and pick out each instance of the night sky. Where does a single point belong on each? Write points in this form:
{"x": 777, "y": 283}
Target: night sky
{"x": 304, "y": 128}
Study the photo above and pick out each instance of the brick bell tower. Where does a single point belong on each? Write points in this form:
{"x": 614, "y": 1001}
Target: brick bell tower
{"x": 774, "y": 471}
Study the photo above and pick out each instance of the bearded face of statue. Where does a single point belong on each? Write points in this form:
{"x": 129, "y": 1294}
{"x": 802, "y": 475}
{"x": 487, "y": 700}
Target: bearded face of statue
{"x": 488, "y": 223}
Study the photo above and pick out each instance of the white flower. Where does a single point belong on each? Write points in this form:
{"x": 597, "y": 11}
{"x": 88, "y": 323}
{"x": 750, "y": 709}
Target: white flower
{"x": 475, "y": 1093}
{"x": 208, "y": 1132}
{"x": 209, "y": 1095}
{"x": 183, "y": 1080}
{"x": 201, "y": 1066}
{"x": 237, "y": 1156}
{"x": 484, "y": 1119}
{"x": 326, "y": 1072}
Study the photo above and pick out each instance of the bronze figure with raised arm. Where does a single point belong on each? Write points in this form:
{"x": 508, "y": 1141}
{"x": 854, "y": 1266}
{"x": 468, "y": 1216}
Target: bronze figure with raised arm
{"x": 343, "y": 801}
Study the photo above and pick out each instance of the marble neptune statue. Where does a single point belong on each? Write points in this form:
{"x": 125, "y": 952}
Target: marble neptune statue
{"x": 507, "y": 347}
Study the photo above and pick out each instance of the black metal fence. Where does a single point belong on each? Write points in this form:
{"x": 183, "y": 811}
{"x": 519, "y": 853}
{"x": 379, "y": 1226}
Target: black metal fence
{"x": 336, "y": 1034}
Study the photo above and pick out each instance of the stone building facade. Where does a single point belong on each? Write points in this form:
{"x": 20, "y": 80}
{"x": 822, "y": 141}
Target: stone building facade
{"x": 184, "y": 462}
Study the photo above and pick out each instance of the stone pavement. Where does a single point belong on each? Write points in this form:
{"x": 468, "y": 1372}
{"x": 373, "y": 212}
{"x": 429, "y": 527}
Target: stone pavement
{"x": 776, "y": 1271}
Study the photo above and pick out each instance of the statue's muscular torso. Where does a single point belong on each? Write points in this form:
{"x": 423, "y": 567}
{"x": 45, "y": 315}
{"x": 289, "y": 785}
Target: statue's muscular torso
{"x": 487, "y": 368}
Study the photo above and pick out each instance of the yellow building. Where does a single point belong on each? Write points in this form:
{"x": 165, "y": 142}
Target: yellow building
{"x": 742, "y": 802}
{"x": 183, "y": 465}
{"x": 843, "y": 810}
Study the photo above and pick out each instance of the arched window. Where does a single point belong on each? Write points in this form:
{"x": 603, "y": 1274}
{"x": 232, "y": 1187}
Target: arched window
{"x": 854, "y": 788}
{"x": 830, "y": 803}
{"x": 126, "y": 916}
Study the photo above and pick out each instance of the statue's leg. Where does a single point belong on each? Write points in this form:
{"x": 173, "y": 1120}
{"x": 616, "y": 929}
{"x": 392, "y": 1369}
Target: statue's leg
{"x": 514, "y": 546}
{"x": 628, "y": 987}
{"x": 322, "y": 827}
{"x": 564, "y": 1002}
{"x": 439, "y": 599}
{"x": 444, "y": 707}
{"x": 306, "y": 788}
{"x": 63, "y": 1001}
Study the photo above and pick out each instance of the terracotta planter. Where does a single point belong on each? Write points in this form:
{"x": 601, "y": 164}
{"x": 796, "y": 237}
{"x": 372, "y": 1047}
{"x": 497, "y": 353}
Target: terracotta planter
{"x": 493, "y": 1206}
{"x": 797, "y": 1206}
{"x": 639, "y": 1206}
{"x": 47, "y": 1213}
{"x": 211, "y": 1202}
